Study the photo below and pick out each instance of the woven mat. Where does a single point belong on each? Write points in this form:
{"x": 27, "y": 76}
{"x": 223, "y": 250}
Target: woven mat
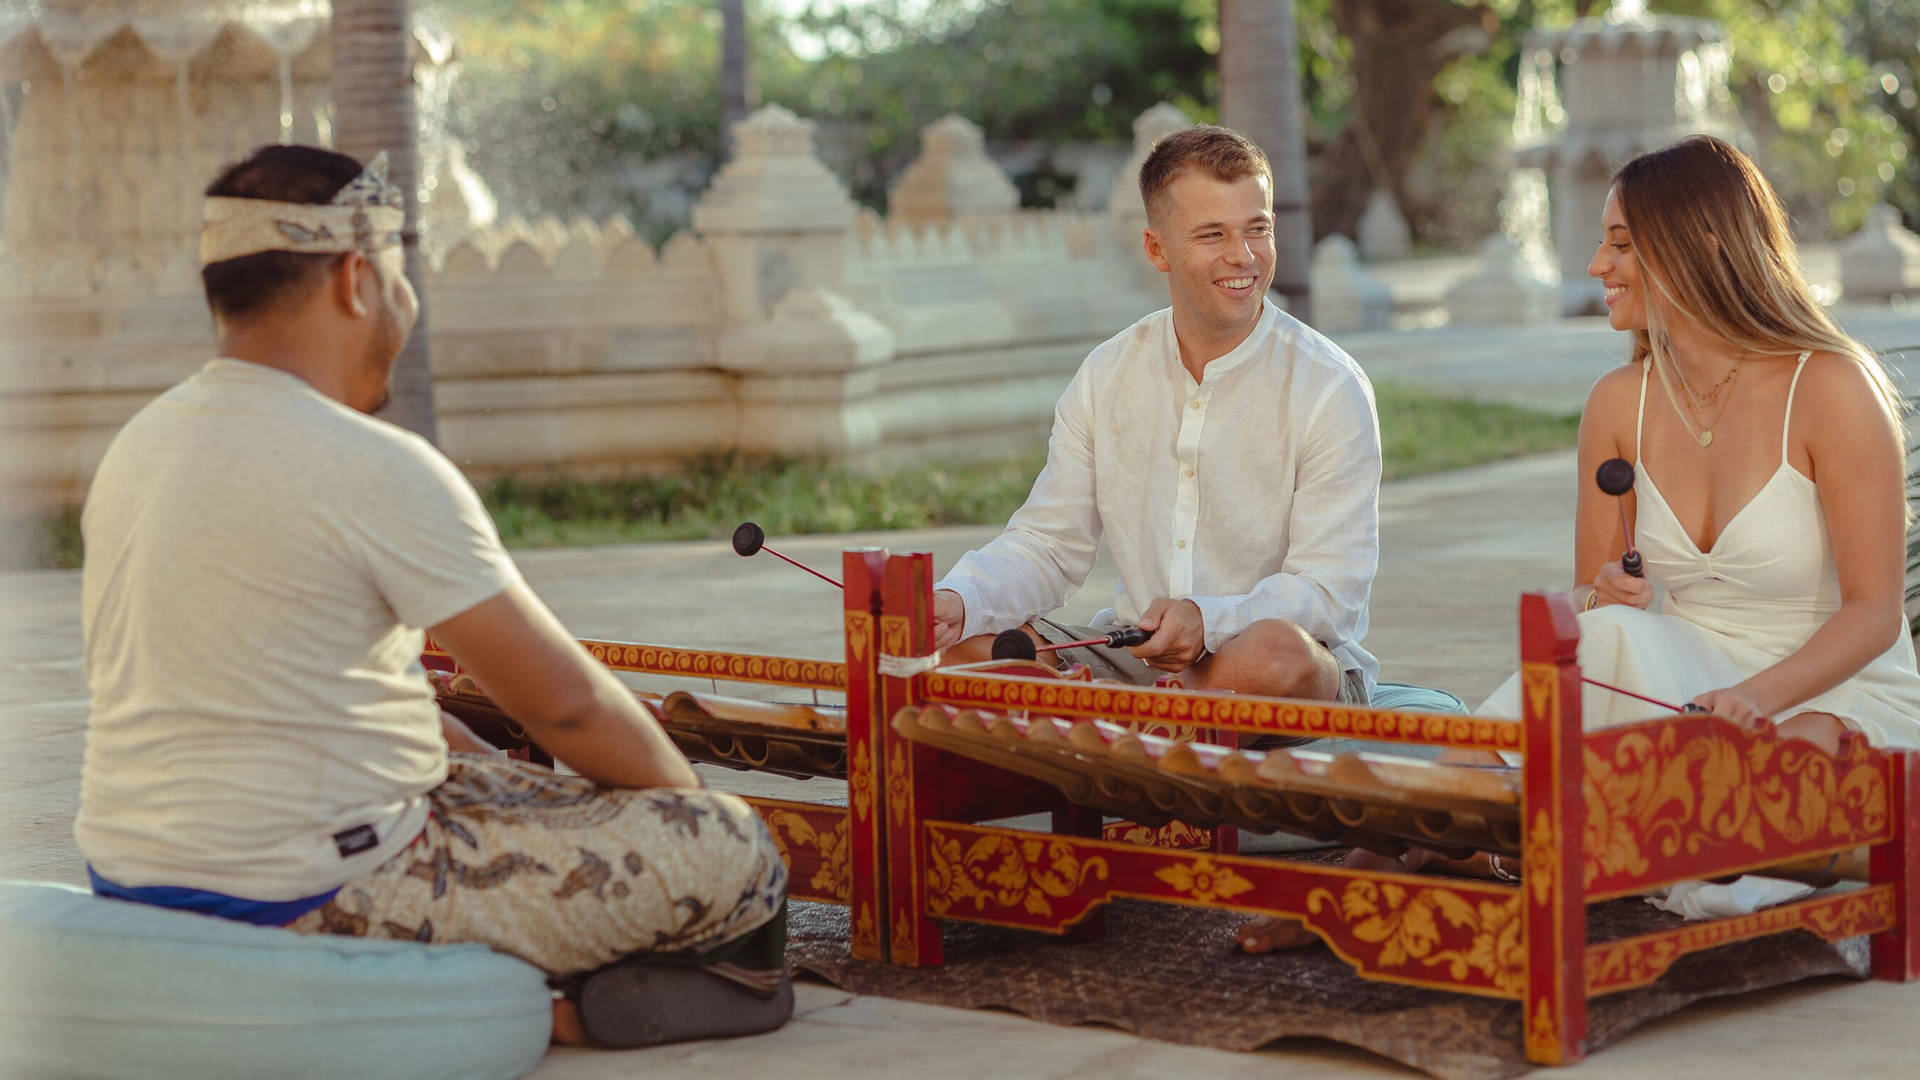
{"x": 1174, "y": 974}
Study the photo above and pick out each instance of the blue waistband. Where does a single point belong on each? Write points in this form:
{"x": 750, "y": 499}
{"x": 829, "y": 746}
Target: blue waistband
{"x": 219, "y": 905}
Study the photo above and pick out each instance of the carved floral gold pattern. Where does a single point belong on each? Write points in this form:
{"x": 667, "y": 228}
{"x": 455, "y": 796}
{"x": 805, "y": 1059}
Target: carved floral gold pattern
{"x": 1204, "y": 880}
{"x": 1177, "y": 835}
{"x": 1543, "y": 1035}
{"x": 1639, "y": 961}
{"x": 1537, "y": 862}
{"x": 860, "y": 782}
{"x": 899, "y": 784}
{"x": 1412, "y": 924}
{"x": 1719, "y": 790}
{"x": 792, "y": 830}
{"x": 1000, "y": 871}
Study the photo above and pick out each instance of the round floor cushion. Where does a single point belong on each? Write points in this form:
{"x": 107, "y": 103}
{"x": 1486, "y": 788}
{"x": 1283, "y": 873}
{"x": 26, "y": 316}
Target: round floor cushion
{"x": 91, "y": 987}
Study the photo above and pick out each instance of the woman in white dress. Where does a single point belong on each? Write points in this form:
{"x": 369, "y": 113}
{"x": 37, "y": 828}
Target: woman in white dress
{"x": 1769, "y": 499}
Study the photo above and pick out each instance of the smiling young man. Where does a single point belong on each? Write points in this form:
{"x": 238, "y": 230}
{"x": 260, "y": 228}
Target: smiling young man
{"x": 1228, "y": 454}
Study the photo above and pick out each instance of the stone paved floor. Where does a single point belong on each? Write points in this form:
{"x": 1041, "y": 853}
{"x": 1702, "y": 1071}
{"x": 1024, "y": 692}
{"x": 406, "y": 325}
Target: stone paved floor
{"x": 1457, "y": 550}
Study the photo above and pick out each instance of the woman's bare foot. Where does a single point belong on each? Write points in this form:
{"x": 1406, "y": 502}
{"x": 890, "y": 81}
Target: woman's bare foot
{"x": 1821, "y": 729}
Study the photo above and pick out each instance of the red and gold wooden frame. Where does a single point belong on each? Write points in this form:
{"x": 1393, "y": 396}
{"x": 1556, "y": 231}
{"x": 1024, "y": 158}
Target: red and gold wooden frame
{"x": 1605, "y": 814}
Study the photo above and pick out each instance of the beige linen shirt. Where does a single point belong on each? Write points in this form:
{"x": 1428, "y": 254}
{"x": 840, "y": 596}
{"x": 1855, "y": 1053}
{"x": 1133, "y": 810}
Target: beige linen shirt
{"x": 261, "y": 562}
{"x": 1253, "y": 492}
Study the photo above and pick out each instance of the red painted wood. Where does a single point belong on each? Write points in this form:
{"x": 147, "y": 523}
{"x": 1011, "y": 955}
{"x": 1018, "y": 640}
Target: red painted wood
{"x": 1422, "y": 930}
{"x": 975, "y": 688}
{"x": 1648, "y": 786}
{"x": 914, "y": 773}
{"x": 863, "y": 570}
{"x": 813, "y": 841}
{"x": 1552, "y": 825}
{"x": 1896, "y": 953}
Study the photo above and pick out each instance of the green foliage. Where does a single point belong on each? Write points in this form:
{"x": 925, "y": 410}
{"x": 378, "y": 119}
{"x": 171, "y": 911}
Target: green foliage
{"x": 1828, "y": 88}
{"x": 59, "y": 545}
{"x": 1423, "y": 433}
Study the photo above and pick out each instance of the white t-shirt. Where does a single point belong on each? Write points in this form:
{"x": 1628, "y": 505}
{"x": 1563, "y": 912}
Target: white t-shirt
{"x": 1254, "y": 492}
{"x": 261, "y": 562}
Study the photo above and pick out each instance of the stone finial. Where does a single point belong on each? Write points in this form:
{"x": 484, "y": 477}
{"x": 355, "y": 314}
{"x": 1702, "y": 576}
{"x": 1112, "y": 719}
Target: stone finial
{"x": 1123, "y": 201}
{"x": 1384, "y": 234}
{"x": 1880, "y": 261}
{"x": 952, "y": 176}
{"x": 1345, "y": 296}
{"x": 774, "y": 183}
{"x": 1502, "y": 290}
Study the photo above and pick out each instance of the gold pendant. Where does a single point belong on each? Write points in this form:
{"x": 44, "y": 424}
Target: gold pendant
{"x": 1706, "y": 438}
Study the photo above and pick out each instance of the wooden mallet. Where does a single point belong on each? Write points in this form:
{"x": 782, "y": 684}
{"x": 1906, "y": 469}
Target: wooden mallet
{"x": 1016, "y": 645}
{"x": 750, "y": 539}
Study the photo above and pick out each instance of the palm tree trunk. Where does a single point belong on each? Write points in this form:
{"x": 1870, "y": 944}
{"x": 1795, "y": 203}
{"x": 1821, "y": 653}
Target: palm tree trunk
{"x": 373, "y": 110}
{"x": 1260, "y": 98}
{"x": 736, "y": 70}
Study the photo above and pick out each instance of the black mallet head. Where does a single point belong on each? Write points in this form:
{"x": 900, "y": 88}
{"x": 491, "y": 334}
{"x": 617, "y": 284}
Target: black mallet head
{"x": 1014, "y": 645}
{"x": 748, "y": 538}
{"x": 1615, "y": 477}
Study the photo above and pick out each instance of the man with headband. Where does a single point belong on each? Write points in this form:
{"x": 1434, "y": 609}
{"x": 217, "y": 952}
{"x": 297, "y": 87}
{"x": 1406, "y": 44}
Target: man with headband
{"x": 262, "y": 559}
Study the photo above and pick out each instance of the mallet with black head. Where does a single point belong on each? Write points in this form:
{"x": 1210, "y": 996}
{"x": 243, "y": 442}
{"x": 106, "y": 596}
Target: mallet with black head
{"x": 1016, "y": 645}
{"x": 750, "y": 539}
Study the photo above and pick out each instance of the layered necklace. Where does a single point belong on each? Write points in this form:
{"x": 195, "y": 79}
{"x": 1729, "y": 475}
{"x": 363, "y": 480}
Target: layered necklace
{"x": 1715, "y": 400}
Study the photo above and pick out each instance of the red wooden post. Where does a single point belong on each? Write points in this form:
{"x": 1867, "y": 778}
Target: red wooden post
{"x": 1551, "y": 825}
{"x": 862, "y": 571}
{"x": 1896, "y": 953}
{"x": 912, "y": 770}
{"x": 1090, "y": 823}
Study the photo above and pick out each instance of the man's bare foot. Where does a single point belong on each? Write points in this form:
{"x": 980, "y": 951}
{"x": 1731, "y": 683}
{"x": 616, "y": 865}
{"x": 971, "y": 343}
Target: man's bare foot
{"x": 567, "y": 1028}
{"x": 1272, "y": 934}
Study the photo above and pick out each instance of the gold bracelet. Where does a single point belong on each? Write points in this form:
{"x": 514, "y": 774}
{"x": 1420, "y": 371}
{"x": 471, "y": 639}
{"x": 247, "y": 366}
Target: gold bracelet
{"x": 1591, "y": 597}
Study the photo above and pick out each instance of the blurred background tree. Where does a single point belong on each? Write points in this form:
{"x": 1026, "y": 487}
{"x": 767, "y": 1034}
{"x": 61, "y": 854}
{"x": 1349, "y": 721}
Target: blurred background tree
{"x": 605, "y": 106}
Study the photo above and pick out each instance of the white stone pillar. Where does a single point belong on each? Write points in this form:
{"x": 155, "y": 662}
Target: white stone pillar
{"x": 1502, "y": 290}
{"x": 776, "y": 225}
{"x": 1881, "y": 261}
{"x": 952, "y": 176}
{"x": 1123, "y": 202}
{"x": 1345, "y": 296}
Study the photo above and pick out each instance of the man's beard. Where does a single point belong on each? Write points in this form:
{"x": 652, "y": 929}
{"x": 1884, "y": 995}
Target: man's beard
{"x": 383, "y": 353}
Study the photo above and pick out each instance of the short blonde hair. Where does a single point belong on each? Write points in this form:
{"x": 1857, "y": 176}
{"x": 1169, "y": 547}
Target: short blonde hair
{"x": 1221, "y": 153}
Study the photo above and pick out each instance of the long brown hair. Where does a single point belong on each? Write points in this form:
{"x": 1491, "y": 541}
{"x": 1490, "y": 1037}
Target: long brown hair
{"x": 1712, "y": 238}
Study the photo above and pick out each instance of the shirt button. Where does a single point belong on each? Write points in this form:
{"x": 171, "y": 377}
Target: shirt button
{"x": 1196, "y": 405}
{"x": 1189, "y": 474}
{"x": 1180, "y": 543}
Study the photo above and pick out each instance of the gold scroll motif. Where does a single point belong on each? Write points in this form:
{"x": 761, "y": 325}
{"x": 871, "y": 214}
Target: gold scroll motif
{"x": 1175, "y": 834}
{"x": 1656, "y": 794}
{"x": 902, "y": 933}
{"x": 999, "y": 871}
{"x": 1071, "y": 698}
{"x": 1412, "y": 924}
{"x": 663, "y": 660}
{"x": 863, "y": 929}
{"x": 1204, "y": 880}
{"x": 792, "y": 831}
{"x": 859, "y": 629}
{"x": 860, "y": 782}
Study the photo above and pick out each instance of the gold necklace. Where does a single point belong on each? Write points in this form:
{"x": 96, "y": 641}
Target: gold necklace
{"x": 1702, "y": 402}
{"x": 1704, "y": 434}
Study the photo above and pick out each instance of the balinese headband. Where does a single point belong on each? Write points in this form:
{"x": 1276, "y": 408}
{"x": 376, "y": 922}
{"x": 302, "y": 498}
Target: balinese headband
{"x": 366, "y": 216}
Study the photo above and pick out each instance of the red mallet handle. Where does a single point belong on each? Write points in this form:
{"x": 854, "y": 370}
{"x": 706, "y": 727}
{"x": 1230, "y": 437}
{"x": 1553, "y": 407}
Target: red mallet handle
{"x": 1615, "y": 477}
{"x": 1688, "y": 707}
{"x": 749, "y": 539}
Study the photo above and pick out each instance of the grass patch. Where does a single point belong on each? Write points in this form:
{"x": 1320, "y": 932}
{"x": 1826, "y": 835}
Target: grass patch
{"x": 1421, "y": 433}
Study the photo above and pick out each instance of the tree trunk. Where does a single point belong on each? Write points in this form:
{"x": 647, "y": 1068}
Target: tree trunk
{"x": 1260, "y": 98}
{"x": 1399, "y": 48}
{"x": 736, "y": 70}
{"x": 373, "y": 110}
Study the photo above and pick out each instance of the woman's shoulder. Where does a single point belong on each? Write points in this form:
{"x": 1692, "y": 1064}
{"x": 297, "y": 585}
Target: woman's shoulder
{"x": 1839, "y": 386}
{"x": 1618, "y": 389}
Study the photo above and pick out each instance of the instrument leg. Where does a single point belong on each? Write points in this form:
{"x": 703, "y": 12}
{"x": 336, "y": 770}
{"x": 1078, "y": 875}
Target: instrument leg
{"x": 1896, "y": 953}
{"x": 1083, "y": 821}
